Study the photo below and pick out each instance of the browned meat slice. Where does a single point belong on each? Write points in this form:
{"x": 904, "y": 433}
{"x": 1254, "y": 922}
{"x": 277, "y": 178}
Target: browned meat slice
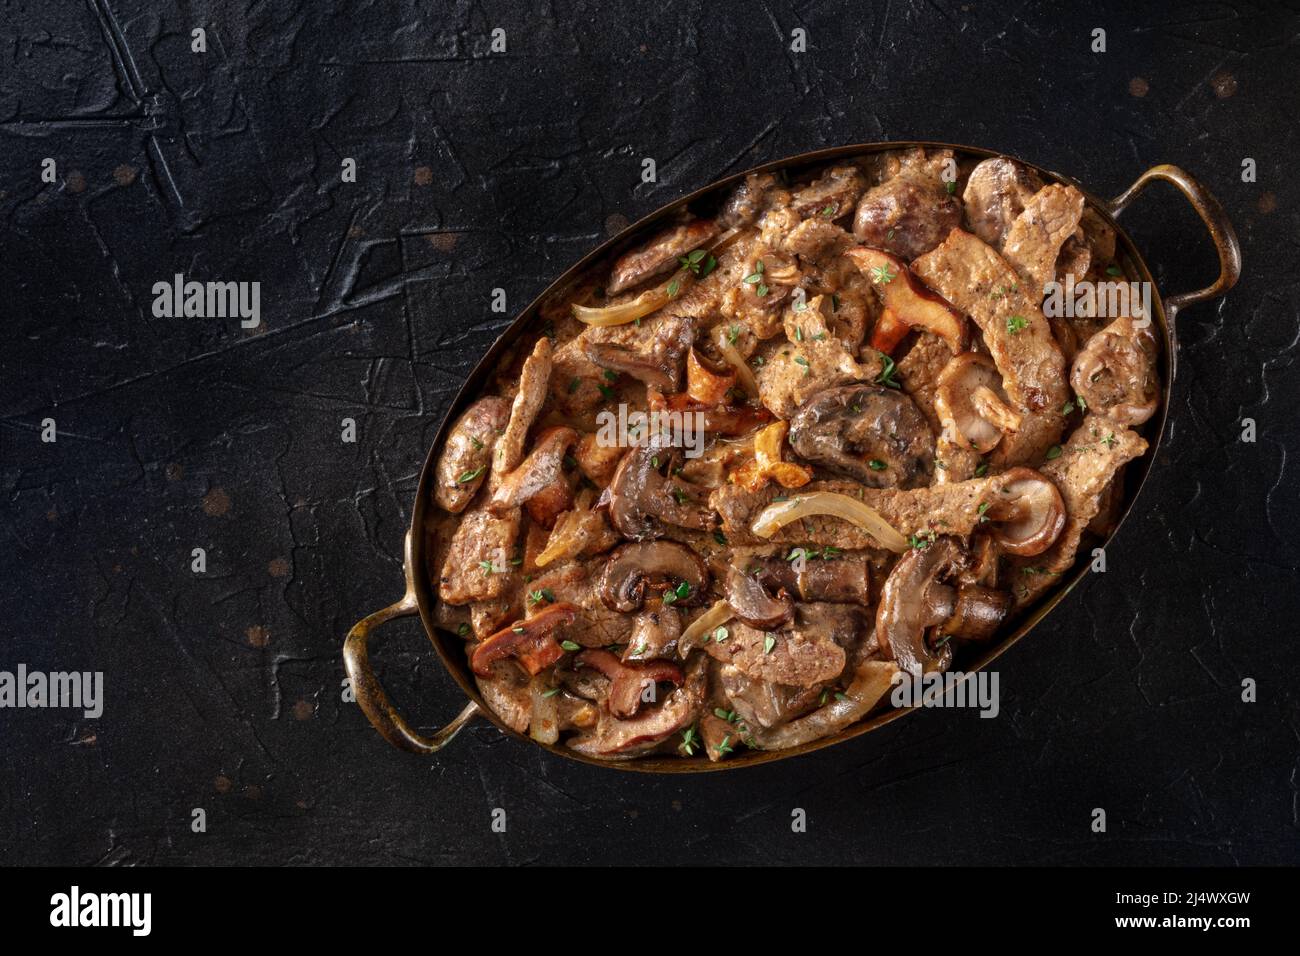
{"x": 660, "y": 255}
{"x": 871, "y": 682}
{"x": 1083, "y": 473}
{"x": 972, "y": 276}
{"x": 759, "y": 703}
{"x": 748, "y": 200}
{"x": 996, "y": 193}
{"x": 816, "y": 239}
{"x": 868, "y": 432}
{"x": 831, "y": 195}
{"x": 533, "y": 379}
{"x": 651, "y": 726}
{"x": 537, "y": 474}
{"x": 908, "y": 214}
{"x": 653, "y": 351}
{"x": 1033, "y": 243}
{"x": 478, "y": 566}
{"x": 1115, "y": 374}
{"x": 577, "y": 384}
{"x": 811, "y": 360}
{"x": 807, "y": 651}
{"x": 506, "y": 692}
{"x": 488, "y": 617}
{"x": 577, "y": 583}
{"x": 467, "y": 455}
{"x": 944, "y": 509}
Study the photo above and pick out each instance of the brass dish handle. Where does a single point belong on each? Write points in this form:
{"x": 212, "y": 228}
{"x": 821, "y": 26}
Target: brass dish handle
{"x": 1215, "y": 219}
{"x": 379, "y": 710}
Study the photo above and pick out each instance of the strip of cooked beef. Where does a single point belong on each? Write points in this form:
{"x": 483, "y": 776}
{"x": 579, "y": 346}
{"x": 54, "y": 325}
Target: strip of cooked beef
{"x": 1033, "y": 243}
{"x": 660, "y": 255}
{"x": 807, "y": 651}
{"x": 759, "y": 703}
{"x": 613, "y": 737}
{"x": 477, "y": 567}
{"x": 747, "y": 201}
{"x": 831, "y": 195}
{"x": 972, "y": 276}
{"x": 809, "y": 361}
{"x": 467, "y": 455}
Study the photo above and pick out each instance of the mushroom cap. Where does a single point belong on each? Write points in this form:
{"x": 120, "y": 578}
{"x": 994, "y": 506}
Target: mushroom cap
{"x": 1028, "y": 512}
{"x": 914, "y": 599}
{"x": 1115, "y": 373}
{"x": 623, "y": 582}
{"x": 850, "y": 427}
{"x": 971, "y": 404}
{"x": 751, "y": 602}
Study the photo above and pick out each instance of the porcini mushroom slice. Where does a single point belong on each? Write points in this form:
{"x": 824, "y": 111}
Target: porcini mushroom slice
{"x": 970, "y": 402}
{"x": 531, "y": 642}
{"x": 705, "y": 383}
{"x": 751, "y": 602}
{"x": 874, "y": 434}
{"x": 538, "y": 472}
{"x": 632, "y": 566}
{"x": 628, "y": 681}
{"x": 913, "y": 599}
{"x": 908, "y": 298}
{"x": 467, "y": 454}
{"x": 1028, "y": 513}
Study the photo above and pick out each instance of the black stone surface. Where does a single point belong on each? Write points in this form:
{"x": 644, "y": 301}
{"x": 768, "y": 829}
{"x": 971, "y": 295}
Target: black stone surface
{"x": 479, "y": 170}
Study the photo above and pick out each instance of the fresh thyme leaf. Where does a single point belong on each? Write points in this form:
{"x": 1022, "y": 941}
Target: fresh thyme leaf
{"x": 883, "y": 275}
{"x": 570, "y": 646}
{"x": 876, "y": 465}
{"x": 1017, "y": 324}
{"x": 468, "y": 476}
{"x": 769, "y": 642}
{"x": 1054, "y": 452}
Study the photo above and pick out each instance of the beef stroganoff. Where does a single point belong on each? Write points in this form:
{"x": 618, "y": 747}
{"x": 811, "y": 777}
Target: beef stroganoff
{"x": 783, "y": 450}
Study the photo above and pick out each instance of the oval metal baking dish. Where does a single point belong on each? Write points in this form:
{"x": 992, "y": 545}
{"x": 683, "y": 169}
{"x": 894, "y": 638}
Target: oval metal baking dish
{"x": 419, "y": 597}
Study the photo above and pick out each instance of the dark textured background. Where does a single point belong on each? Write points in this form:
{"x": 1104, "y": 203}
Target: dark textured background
{"x": 477, "y": 171}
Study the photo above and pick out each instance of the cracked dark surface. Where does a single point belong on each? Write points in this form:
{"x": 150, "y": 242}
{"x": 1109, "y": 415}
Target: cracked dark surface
{"x": 481, "y": 170}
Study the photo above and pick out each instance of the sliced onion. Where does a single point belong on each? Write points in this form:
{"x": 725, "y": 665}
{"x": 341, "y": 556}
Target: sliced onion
{"x": 652, "y": 300}
{"x": 544, "y": 717}
{"x": 780, "y": 513}
{"x": 719, "y": 614}
{"x": 733, "y": 358}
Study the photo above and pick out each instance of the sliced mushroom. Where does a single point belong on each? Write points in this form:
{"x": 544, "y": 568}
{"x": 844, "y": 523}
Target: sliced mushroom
{"x": 640, "y": 498}
{"x": 615, "y": 737}
{"x": 655, "y": 633}
{"x": 1116, "y": 372}
{"x": 467, "y": 454}
{"x": 977, "y": 613}
{"x": 652, "y": 353}
{"x": 889, "y": 331}
{"x": 751, "y": 602}
{"x": 874, "y": 434}
{"x": 914, "y": 599}
{"x": 531, "y": 642}
{"x": 539, "y": 471}
{"x": 970, "y": 402}
{"x": 633, "y": 566}
{"x": 628, "y": 682}
{"x": 727, "y": 420}
{"x": 1028, "y": 513}
{"x": 659, "y": 255}
{"x": 910, "y": 300}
